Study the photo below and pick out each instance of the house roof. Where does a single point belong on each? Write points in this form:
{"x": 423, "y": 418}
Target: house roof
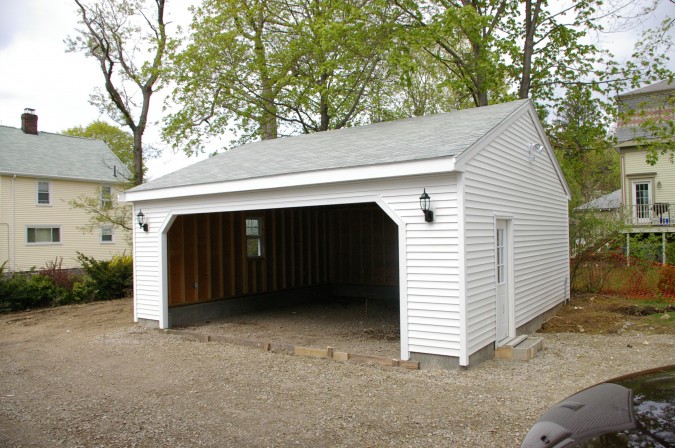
{"x": 611, "y": 201}
{"x": 652, "y": 88}
{"x": 57, "y": 156}
{"x": 412, "y": 139}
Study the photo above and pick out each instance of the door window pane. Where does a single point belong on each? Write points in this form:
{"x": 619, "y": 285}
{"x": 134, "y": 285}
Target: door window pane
{"x": 642, "y": 199}
{"x": 500, "y": 256}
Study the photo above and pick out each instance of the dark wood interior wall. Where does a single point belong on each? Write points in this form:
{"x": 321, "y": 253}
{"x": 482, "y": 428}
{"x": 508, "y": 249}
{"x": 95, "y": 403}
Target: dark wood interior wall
{"x": 363, "y": 246}
{"x": 302, "y": 247}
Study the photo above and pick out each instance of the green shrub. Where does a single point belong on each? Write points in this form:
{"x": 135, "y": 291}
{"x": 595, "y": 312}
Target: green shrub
{"x": 63, "y": 278}
{"x": 105, "y": 280}
{"x": 24, "y": 291}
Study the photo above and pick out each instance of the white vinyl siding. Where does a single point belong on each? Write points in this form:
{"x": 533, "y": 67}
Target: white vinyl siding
{"x": 18, "y": 208}
{"x": 430, "y": 261}
{"x": 501, "y": 180}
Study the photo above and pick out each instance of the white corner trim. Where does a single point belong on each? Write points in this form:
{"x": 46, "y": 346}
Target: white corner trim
{"x": 463, "y": 326}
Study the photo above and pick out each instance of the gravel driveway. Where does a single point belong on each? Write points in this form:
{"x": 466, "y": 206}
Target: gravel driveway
{"x": 84, "y": 376}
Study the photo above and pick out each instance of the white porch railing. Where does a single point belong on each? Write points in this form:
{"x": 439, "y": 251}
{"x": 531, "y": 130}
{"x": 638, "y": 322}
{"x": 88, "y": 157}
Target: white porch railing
{"x": 657, "y": 214}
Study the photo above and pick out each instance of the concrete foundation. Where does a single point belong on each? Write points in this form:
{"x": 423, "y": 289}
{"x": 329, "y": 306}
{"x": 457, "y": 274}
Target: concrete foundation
{"x": 428, "y": 361}
{"x": 148, "y": 323}
{"x": 536, "y": 323}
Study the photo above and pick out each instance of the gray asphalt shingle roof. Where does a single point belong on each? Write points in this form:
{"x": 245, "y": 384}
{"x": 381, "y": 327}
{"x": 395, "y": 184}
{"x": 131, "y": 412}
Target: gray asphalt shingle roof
{"x": 648, "y": 99}
{"x": 652, "y": 88}
{"x": 610, "y": 201}
{"x": 57, "y": 156}
{"x": 418, "y": 138}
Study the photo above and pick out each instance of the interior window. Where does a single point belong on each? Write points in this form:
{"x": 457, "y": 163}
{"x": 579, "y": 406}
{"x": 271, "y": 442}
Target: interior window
{"x": 254, "y": 237}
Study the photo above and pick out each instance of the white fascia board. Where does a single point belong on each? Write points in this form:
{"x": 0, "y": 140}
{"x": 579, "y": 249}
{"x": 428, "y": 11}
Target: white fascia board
{"x": 66, "y": 178}
{"x": 383, "y": 171}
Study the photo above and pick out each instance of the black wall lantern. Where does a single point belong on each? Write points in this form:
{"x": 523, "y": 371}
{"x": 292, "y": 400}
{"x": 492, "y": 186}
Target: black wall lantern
{"x": 140, "y": 218}
{"x": 425, "y": 205}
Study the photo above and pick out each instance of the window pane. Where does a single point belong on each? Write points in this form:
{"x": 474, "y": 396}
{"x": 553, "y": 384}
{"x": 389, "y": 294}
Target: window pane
{"x": 106, "y": 195}
{"x": 253, "y": 247}
{"x": 500, "y": 256}
{"x": 254, "y": 237}
{"x": 43, "y": 192}
{"x": 106, "y": 235}
{"x": 252, "y": 227}
{"x": 43, "y": 235}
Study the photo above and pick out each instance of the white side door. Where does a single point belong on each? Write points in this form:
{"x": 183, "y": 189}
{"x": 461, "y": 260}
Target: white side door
{"x": 501, "y": 275}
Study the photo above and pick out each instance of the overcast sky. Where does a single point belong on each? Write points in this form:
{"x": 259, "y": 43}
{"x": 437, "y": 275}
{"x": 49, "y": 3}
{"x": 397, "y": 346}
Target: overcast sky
{"x": 36, "y": 72}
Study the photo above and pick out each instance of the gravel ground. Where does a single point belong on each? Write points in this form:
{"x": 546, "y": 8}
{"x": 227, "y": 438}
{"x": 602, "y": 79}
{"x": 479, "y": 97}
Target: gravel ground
{"x": 83, "y": 376}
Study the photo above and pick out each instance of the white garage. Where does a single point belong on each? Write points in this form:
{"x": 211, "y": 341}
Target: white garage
{"x": 341, "y": 212}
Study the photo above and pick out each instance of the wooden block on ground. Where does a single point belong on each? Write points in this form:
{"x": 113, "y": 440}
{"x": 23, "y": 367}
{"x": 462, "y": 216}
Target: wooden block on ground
{"x": 340, "y": 356}
{"x": 412, "y": 365}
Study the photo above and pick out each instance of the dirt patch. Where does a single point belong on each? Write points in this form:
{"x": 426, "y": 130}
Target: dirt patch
{"x": 601, "y": 314}
{"x": 348, "y": 325}
{"x": 86, "y": 376}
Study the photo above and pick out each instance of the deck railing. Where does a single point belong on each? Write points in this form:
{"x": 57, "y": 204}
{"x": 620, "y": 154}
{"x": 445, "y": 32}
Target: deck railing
{"x": 657, "y": 214}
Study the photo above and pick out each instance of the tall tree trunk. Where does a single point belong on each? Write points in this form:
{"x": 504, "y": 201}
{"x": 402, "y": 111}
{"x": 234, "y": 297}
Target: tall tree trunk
{"x": 323, "y": 105}
{"x": 531, "y": 16}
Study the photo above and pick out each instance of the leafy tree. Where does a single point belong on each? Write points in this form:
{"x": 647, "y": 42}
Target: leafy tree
{"x": 415, "y": 85}
{"x": 488, "y": 45}
{"x": 463, "y": 37}
{"x": 589, "y": 234}
{"x": 116, "y": 33}
{"x": 267, "y": 68}
{"x": 579, "y": 136}
{"x": 119, "y": 141}
{"x": 344, "y": 45}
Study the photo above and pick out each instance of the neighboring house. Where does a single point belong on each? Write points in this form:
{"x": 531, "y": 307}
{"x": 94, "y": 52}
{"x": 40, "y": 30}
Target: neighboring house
{"x": 40, "y": 173}
{"x": 647, "y": 191}
{"x": 338, "y": 213}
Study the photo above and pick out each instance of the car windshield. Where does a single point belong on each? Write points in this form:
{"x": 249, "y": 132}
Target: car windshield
{"x": 653, "y": 407}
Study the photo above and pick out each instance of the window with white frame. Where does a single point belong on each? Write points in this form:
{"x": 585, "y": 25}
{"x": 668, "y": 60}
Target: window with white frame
{"x": 44, "y": 192}
{"x": 107, "y": 234}
{"x": 254, "y": 237}
{"x": 106, "y": 196}
{"x": 43, "y": 235}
